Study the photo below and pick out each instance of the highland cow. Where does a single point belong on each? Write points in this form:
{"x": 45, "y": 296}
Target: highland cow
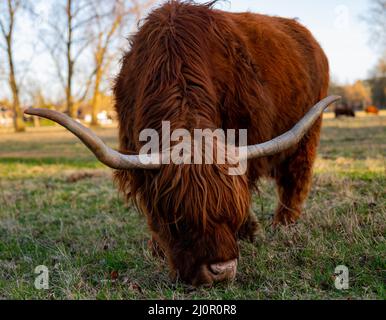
{"x": 344, "y": 109}
{"x": 202, "y": 68}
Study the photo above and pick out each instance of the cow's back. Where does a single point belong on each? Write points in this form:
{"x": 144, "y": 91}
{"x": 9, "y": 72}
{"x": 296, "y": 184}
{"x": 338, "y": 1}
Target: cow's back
{"x": 291, "y": 68}
{"x": 275, "y": 72}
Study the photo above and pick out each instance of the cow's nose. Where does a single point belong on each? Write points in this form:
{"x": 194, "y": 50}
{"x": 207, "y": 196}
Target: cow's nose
{"x": 224, "y": 271}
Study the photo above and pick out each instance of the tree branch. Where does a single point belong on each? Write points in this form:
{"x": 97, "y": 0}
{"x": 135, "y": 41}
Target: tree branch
{"x": 3, "y": 29}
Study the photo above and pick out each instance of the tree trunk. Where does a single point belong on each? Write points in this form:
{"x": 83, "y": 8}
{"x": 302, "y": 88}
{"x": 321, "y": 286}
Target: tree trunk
{"x": 69, "y": 100}
{"x": 36, "y": 122}
{"x": 100, "y": 53}
{"x": 70, "y": 63}
{"x": 96, "y": 94}
{"x": 18, "y": 116}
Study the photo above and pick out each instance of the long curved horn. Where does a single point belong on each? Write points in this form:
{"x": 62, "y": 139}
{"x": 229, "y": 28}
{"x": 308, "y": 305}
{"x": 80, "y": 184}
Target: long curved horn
{"x": 116, "y": 160}
{"x": 291, "y": 137}
{"x": 106, "y": 155}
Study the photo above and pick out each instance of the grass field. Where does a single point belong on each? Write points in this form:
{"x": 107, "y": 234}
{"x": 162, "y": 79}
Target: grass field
{"x": 59, "y": 208}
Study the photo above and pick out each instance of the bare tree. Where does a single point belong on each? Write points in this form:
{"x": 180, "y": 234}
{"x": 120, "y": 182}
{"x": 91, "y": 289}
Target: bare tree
{"x": 108, "y": 25}
{"x": 378, "y": 83}
{"x": 7, "y": 28}
{"x": 66, "y": 39}
{"x": 376, "y": 20}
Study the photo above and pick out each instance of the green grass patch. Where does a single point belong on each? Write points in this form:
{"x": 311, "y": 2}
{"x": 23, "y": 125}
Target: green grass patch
{"x": 60, "y": 208}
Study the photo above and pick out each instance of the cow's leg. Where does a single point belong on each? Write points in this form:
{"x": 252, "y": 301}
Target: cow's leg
{"x": 294, "y": 177}
{"x": 155, "y": 248}
{"x": 249, "y": 229}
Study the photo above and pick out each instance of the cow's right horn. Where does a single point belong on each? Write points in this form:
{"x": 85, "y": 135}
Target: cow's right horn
{"x": 105, "y": 154}
{"x": 290, "y": 138}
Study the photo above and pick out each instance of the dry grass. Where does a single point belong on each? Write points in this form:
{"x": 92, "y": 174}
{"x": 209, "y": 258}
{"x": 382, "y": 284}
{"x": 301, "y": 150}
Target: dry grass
{"x": 58, "y": 207}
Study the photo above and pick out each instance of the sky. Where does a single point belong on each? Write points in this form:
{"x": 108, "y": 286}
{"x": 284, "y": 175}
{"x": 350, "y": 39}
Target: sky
{"x": 336, "y": 24}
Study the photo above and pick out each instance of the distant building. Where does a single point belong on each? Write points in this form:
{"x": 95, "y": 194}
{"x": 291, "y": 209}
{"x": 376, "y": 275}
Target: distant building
{"x": 103, "y": 118}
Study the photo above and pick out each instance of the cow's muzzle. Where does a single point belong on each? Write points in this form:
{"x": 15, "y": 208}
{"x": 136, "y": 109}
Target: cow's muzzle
{"x": 223, "y": 271}
{"x": 216, "y": 272}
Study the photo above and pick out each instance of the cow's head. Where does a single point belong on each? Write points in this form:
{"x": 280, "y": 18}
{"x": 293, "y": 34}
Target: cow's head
{"x": 194, "y": 212}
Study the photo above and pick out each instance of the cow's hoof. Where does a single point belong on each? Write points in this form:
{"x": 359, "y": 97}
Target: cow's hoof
{"x": 285, "y": 218}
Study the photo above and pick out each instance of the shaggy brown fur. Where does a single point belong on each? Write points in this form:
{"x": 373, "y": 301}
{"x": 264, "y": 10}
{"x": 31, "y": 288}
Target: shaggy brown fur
{"x": 198, "y": 67}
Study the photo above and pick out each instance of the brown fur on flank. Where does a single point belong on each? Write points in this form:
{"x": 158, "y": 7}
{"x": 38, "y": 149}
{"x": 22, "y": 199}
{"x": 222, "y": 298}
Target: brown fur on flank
{"x": 198, "y": 67}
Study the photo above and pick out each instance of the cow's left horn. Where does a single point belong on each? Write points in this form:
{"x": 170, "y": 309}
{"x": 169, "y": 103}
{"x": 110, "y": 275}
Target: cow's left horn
{"x": 105, "y": 154}
{"x": 291, "y": 137}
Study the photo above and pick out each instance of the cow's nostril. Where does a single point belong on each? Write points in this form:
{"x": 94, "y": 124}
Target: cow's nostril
{"x": 216, "y": 272}
{"x": 224, "y": 270}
